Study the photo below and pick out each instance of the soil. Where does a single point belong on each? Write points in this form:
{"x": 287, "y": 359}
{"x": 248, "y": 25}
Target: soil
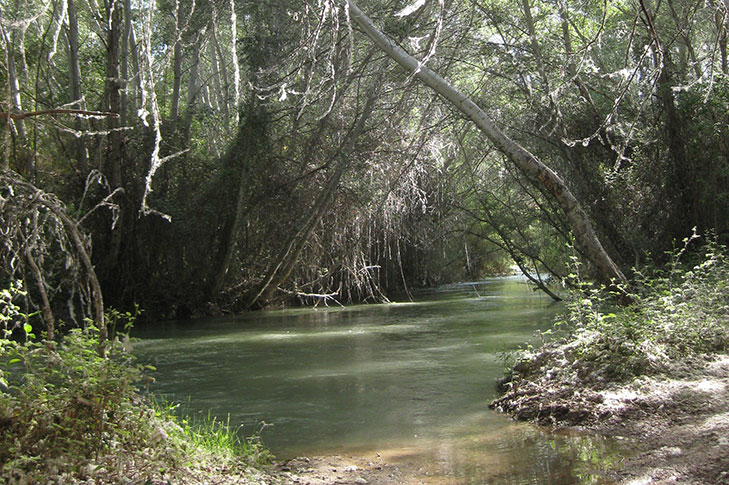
{"x": 337, "y": 469}
{"x": 678, "y": 421}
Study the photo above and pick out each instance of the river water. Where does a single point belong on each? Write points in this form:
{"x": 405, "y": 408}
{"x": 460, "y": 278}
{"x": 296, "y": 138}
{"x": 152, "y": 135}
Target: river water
{"x": 411, "y": 381}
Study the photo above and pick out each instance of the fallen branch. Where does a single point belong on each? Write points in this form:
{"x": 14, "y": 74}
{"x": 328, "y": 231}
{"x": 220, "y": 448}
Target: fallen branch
{"x": 319, "y": 297}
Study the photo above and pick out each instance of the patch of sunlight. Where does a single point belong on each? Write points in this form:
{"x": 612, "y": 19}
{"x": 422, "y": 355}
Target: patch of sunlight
{"x": 710, "y": 385}
{"x": 721, "y": 364}
{"x": 615, "y": 399}
{"x": 716, "y": 421}
{"x": 446, "y": 348}
{"x": 651, "y": 477}
{"x": 288, "y": 335}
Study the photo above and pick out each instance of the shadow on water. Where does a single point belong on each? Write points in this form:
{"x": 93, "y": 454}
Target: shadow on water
{"x": 409, "y": 380}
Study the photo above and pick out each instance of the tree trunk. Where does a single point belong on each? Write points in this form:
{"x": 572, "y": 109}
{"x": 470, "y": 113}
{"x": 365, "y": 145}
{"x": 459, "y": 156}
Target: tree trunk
{"x": 14, "y": 84}
{"x": 216, "y": 97}
{"x": 124, "y": 65}
{"x": 97, "y": 298}
{"x": 223, "y": 71}
{"x": 76, "y": 94}
{"x": 193, "y": 92}
{"x": 721, "y": 32}
{"x": 580, "y": 224}
{"x": 685, "y": 214}
{"x": 571, "y": 68}
{"x": 176, "y": 81}
{"x": 234, "y": 50}
{"x": 114, "y": 154}
{"x": 45, "y": 303}
{"x": 17, "y": 126}
{"x": 251, "y": 144}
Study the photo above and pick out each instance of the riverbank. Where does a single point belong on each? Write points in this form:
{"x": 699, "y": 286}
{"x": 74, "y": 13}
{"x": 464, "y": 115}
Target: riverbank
{"x": 679, "y": 422}
{"x": 655, "y": 373}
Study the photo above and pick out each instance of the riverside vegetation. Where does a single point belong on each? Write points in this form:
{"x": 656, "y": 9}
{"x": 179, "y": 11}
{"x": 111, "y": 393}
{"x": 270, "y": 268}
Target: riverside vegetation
{"x": 71, "y": 415}
{"x": 656, "y": 370}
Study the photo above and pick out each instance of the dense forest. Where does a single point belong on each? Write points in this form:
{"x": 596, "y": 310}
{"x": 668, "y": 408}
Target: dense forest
{"x": 200, "y": 157}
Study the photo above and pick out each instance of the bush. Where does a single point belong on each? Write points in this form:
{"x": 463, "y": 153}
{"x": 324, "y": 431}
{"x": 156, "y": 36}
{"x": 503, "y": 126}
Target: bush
{"x": 68, "y": 407}
{"x": 68, "y": 414}
{"x": 680, "y": 312}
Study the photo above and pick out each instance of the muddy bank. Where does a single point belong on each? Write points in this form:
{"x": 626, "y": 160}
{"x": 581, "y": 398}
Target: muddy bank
{"x": 678, "y": 419}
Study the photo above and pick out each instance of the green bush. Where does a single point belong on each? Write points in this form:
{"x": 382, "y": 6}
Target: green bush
{"x": 66, "y": 406}
{"x": 69, "y": 414}
{"x": 680, "y": 312}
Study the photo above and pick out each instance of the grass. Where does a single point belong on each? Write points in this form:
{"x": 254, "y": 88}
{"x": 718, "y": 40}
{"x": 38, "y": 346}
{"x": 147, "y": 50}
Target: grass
{"x": 210, "y": 435}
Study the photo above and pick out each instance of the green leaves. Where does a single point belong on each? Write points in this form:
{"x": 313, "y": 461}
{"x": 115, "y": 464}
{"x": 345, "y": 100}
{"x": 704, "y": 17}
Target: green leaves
{"x": 680, "y": 313}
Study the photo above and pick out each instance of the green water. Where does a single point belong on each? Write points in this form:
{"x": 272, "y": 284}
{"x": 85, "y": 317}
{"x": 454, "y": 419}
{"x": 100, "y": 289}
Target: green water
{"x": 408, "y": 380}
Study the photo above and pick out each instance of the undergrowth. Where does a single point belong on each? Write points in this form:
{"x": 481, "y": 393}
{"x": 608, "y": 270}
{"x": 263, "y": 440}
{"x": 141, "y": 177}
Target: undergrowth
{"x": 681, "y": 311}
{"x": 679, "y": 318}
{"x": 68, "y": 414}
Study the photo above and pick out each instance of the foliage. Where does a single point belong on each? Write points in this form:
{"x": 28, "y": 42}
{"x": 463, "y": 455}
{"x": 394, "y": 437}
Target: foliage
{"x": 681, "y": 311}
{"x": 67, "y": 412}
{"x": 11, "y": 319}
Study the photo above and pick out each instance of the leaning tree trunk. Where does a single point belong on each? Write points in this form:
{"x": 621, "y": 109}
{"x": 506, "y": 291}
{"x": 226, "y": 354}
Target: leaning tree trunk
{"x": 521, "y": 157}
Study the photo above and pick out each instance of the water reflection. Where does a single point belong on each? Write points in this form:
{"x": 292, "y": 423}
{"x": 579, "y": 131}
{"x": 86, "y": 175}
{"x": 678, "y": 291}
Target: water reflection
{"x": 408, "y": 380}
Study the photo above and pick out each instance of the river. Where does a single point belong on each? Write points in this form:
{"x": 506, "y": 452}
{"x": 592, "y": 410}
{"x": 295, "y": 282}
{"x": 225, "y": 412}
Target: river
{"x": 409, "y": 380}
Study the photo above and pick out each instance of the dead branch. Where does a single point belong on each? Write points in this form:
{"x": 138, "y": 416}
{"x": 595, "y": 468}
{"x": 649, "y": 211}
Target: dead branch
{"x": 58, "y": 111}
{"x": 21, "y": 205}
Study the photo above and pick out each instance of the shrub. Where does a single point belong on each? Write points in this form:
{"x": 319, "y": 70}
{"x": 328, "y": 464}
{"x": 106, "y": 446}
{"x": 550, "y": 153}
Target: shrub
{"x": 67, "y": 406}
{"x": 69, "y": 414}
{"x": 680, "y": 311}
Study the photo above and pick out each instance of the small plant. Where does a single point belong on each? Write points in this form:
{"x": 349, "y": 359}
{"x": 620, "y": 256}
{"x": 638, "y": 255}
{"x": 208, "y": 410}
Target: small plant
{"x": 211, "y": 435}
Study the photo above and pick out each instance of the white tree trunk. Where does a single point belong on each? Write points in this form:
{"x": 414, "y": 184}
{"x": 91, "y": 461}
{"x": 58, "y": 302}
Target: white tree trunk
{"x": 522, "y": 158}
{"x": 236, "y": 67}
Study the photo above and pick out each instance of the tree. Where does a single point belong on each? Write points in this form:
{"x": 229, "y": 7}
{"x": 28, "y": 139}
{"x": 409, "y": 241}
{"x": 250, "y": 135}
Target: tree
{"x": 527, "y": 162}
